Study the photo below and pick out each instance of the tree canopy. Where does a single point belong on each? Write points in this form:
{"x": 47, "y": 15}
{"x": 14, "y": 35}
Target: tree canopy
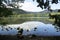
{"x": 41, "y": 3}
{"x": 45, "y": 5}
{"x": 6, "y": 11}
{"x": 3, "y": 10}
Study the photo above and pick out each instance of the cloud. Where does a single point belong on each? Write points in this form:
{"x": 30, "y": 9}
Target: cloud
{"x": 29, "y": 6}
{"x": 55, "y": 6}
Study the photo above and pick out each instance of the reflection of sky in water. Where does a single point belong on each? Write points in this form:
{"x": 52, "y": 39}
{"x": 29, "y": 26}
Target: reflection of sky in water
{"x": 42, "y": 29}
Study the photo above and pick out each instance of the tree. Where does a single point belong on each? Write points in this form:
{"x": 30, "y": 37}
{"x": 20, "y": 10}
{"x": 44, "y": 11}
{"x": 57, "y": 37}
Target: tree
{"x": 14, "y": 3}
{"x": 5, "y": 12}
{"x": 46, "y": 4}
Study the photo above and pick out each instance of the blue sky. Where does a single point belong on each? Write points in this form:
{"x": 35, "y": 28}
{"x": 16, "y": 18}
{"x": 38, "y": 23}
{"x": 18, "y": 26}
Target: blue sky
{"x": 29, "y": 5}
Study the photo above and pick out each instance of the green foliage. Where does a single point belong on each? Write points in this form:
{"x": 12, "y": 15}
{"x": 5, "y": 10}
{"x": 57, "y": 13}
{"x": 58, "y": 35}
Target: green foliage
{"x": 4, "y": 12}
{"x": 46, "y": 4}
{"x": 0, "y": 2}
{"x": 56, "y": 17}
{"x": 54, "y": 1}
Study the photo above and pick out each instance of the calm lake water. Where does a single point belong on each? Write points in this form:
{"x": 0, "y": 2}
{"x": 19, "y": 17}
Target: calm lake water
{"x": 42, "y": 29}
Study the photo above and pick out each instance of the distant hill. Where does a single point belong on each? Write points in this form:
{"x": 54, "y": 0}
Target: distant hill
{"x": 46, "y": 11}
{"x": 20, "y": 11}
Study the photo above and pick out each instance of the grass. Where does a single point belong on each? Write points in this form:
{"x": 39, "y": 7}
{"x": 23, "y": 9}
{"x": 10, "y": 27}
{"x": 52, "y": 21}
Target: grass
{"x": 17, "y": 20}
{"x": 20, "y": 18}
{"x": 54, "y": 13}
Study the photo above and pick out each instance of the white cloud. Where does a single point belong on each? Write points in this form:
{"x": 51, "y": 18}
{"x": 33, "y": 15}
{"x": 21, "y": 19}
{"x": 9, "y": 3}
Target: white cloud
{"x": 55, "y": 6}
{"x": 29, "y": 6}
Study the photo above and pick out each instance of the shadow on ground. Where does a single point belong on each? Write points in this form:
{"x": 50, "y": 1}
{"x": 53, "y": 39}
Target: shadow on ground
{"x": 9, "y": 37}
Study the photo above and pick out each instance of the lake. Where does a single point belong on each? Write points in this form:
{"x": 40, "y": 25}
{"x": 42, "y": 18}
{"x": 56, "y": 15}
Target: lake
{"x": 42, "y": 29}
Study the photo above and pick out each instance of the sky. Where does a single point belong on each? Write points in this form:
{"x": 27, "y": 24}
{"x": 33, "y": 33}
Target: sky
{"x": 31, "y": 6}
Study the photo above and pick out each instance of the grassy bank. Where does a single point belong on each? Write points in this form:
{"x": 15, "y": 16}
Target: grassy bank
{"x": 20, "y": 18}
